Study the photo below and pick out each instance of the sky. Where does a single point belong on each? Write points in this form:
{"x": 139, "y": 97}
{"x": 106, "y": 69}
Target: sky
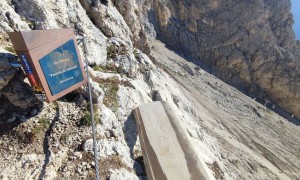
{"x": 296, "y": 13}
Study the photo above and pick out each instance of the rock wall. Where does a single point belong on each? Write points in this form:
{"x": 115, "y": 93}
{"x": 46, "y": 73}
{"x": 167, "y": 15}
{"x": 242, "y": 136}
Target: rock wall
{"x": 17, "y": 15}
{"x": 16, "y": 96}
{"x": 248, "y": 44}
{"x": 36, "y": 15}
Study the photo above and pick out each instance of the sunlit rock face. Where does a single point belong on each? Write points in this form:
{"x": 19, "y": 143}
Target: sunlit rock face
{"x": 250, "y": 44}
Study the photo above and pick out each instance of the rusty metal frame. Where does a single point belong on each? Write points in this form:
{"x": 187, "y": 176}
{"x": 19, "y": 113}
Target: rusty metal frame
{"x": 37, "y": 44}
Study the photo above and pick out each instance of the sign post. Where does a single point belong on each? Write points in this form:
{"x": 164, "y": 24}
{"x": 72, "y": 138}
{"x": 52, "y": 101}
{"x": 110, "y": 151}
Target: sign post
{"x": 51, "y": 60}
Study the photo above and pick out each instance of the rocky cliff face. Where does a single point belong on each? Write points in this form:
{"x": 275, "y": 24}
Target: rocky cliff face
{"x": 249, "y": 44}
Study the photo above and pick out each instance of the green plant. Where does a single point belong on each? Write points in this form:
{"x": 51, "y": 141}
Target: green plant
{"x": 111, "y": 51}
{"x": 86, "y": 119}
{"x": 123, "y": 50}
{"x": 111, "y": 88}
{"x": 55, "y": 106}
{"x": 98, "y": 68}
{"x": 109, "y": 68}
{"x": 28, "y": 137}
{"x": 114, "y": 69}
{"x": 10, "y": 49}
{"x": 41, "y": 127}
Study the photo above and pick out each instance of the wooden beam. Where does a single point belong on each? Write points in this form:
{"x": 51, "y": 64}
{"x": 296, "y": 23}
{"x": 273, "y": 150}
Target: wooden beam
{"x": 167, "y": 148}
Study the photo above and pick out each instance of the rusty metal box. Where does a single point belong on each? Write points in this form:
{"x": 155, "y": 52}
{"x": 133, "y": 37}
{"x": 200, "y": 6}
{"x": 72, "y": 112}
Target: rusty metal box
{"x": 51, "y": 60}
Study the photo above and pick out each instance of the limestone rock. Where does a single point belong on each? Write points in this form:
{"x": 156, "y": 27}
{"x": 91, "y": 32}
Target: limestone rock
{"x": 59, "y": 14}
{"x": 108, "y": 148}
{"x": 256, "y": 52}
{"x": 108, "y": 118}
{"x": 120, "y": 174}
{"x": 6, "y": 72}
{"x": 107, "y": 18}
{"x": 10, "y": 20}
{"x": 188, "y": 69}
{"x": 141, "y": 33}
{"x": 28, "y": 159}
{"x": 14, "y": 90}
{"x": 250, "y": 45}
{"x": 97, "y": 92}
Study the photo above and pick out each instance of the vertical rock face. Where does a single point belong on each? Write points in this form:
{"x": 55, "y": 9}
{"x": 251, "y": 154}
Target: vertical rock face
{"x": 248, "y": 44}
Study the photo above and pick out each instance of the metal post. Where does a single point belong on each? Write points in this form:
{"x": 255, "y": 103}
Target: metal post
{"x": 92, "y": 113}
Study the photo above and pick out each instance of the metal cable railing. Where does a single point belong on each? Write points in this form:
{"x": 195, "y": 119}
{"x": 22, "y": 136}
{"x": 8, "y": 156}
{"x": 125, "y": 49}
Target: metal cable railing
{"x": 94, "y": 133}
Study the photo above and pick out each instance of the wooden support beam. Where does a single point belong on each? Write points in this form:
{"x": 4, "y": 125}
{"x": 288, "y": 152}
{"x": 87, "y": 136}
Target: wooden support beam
{"x": 167, "y": 148}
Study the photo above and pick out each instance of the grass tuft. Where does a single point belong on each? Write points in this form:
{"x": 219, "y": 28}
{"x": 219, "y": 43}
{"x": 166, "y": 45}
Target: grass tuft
{"x": 111, "y": 88}
{"x": 10, "y": 49}
{"x": 111, "y": 51}
{"x": 41, "y": 127}
{"x": 86, "y": 119}
{"x": 109, "y": 69}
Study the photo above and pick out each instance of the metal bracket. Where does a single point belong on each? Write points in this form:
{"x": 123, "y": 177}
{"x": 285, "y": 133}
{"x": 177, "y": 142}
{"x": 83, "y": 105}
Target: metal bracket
{"x": 15, "y": 64}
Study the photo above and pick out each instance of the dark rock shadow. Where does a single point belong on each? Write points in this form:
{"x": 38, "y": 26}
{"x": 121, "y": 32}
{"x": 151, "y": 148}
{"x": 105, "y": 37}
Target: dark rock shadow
{"x": 131, "y": 134}
{"x": 284, "y": 114}
{"x": 18, "y": 102}
{"x": 12, "y": 116}
{"x": 279, "y": 111}
{"x": 46, "y": 146}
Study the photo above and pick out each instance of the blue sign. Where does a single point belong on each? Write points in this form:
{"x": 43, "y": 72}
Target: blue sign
{"x": 61, "y": 68}
{"x": 24, "y": 60}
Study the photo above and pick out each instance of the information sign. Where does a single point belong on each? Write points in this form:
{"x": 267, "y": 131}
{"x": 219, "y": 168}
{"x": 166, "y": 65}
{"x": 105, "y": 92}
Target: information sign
{"x": 51, "y": 60}
{"x": 61, "y": 68}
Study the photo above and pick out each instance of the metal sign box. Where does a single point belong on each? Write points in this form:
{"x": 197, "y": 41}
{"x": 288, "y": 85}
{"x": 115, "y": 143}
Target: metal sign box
{"x": 51, "y": 60}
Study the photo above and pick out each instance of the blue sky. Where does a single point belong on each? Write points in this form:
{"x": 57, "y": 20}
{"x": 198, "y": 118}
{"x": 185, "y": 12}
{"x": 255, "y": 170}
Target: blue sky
{"x": 296, "y": 13}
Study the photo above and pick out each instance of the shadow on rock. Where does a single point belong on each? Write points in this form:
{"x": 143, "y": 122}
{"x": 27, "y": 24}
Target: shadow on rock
{"x": 131, "y": 134}
{"x": 18, "y": 103}
{"x": 17, "y": 98}
{"x": 46, "y": 146}
{"x": 289, "y": 117}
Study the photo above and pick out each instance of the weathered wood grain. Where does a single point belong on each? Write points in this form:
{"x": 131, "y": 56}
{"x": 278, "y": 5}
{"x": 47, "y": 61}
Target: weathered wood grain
{"x": 167, "y": 148}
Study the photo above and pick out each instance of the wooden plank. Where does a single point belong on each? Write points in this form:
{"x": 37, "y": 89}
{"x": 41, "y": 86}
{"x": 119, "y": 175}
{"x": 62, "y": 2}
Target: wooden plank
{"x": 167, "y": 148}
